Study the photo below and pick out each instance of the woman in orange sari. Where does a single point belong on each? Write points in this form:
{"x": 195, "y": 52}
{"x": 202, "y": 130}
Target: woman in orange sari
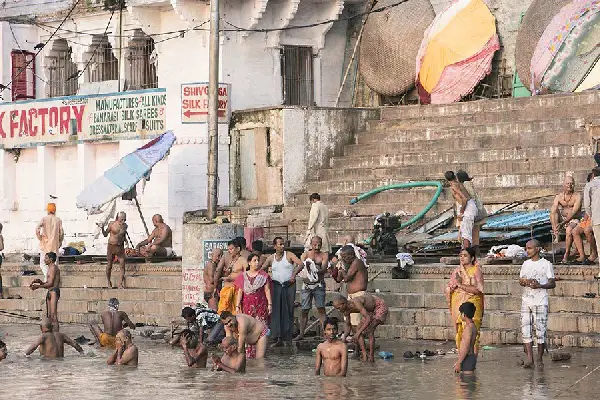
{"x": 466, "y": 284}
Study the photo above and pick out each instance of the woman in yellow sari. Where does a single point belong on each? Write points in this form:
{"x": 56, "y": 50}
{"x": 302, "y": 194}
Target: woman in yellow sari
{"x": 466, "y": 284}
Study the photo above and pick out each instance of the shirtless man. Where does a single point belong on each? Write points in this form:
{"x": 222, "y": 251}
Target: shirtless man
{"x": 355, "y": 276}
{"x": 565, "y": 213}
{"x": 52, "y": 344}
{"x": 233, "y": 361}
{"x": 126, "y": 352}
{"x": 209, "y": 278}
{"x": 374, "y": 313}
{"x": 467, "y": 359}
{"x": 313, "y": 285}
{"x": 468, "y": 209}
{"x": 195, "y": 353}
{"x": 247, "y": 330}
{"x": 227, "y": 274}
{"x": 113, "y": 321}
{"x": 53, "y": 286}
{"x": 332, "y": 353}
{"x": 116, "y": 246}
{"x": 160, "y": 241}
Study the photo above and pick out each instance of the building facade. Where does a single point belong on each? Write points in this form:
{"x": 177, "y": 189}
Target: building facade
{"x": 53, "y": 60}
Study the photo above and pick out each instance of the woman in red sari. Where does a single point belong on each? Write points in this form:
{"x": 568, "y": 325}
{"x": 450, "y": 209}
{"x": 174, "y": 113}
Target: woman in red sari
{"x": 254, "y": 291}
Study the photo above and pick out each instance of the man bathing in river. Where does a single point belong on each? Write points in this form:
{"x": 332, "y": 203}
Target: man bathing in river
{"x": 160, "y": 241}
{"x": 126, "y": 352}
{"x": 53, "y": 285}
{"x": 194, "y": 351}
{"x": 356, "y": 276}
{"x": 3, "y": 350}
{"x": 332, "y": 354}
{"x": 52, "y": 344}
{"x": 113, "y": 321}
{"x": 233, "y": 360}
{"x": 116, "y": 246}
{"x": 210, "y": 295}
{"x": 467, "y": 359}
{"x": 248, "y": 331}
{"x": 374, "y": 313}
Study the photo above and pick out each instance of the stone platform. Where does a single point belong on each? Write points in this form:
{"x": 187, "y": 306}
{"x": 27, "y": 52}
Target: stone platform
{"x": 417, "y": 305}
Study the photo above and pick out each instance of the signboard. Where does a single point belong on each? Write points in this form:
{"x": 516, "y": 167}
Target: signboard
{"x": 209, "y": 245}
{"x": 127, "y": 115}
{"x": 192, "y": 286}
{"x": 194, "y": 103}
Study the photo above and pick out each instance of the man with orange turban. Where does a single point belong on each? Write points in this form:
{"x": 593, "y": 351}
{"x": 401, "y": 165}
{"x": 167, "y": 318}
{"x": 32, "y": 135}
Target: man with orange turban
{"x": 50, "y": 234}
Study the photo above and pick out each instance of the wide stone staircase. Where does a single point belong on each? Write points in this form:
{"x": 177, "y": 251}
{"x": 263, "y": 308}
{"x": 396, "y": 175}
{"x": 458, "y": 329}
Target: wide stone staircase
{"x": 516, "y": 149}
{"x": 153, "y": 296}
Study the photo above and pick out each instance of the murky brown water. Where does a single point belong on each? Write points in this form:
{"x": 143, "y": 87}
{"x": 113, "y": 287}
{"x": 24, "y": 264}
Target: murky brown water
{"x": 162, "y": 374}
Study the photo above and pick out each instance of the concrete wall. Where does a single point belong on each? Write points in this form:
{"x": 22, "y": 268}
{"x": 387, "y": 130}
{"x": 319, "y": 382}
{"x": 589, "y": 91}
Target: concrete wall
{"x": 302, "y": 142}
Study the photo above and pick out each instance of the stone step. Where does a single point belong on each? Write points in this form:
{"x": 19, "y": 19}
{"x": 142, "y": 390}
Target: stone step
{"x": 492, "y": 302}
{"x": 484, "y": 171}
{"x": 422, "y": 196}
{"x": 488, "y": 336}
{"x": 98, "y": 281}
{"x": 564, "y": 288}
{"x": 29, "y": 317}
{"x": 563, "y": 322}
{"x": 504, "y": 141}
{"x": 95, "y": 294}
{"x": 491, "y": 117}
{"x": 518, "y": 180}
{"x": 493, "y": 131}
{"x": 146, "y": 307}
{"x": 559, "y": 100}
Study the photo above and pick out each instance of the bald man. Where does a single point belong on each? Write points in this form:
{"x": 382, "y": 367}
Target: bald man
{"x": 160, "y": 241}
{"x": 116, "y": 246}
{"x": 565, "y": 212}
{"x": 233, "y": 361}
{"x": 126, "y": 352}
{"x": 536, "y": 278}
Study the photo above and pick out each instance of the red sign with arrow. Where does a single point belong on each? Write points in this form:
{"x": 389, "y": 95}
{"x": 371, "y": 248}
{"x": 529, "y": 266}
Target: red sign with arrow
{"x": 194, "y": 103}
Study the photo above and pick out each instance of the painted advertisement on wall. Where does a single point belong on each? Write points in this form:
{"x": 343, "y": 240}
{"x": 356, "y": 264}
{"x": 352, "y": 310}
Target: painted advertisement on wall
{"x": 137, "y": 114}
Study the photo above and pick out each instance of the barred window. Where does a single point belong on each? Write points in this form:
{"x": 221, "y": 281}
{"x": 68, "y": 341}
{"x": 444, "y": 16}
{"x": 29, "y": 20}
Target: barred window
{"x": 23, "y": 75}
{"x": 62, "y": 71}
{"x": 103, "y": 66}
{"x": 297, "y": 73}
{"x": 142, "y": 62}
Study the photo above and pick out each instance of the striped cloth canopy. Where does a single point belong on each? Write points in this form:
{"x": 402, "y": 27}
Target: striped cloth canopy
{"x": 125, "y": 175}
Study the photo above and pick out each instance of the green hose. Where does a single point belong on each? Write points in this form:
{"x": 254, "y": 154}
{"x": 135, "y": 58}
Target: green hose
{"x": 407, "y": 185}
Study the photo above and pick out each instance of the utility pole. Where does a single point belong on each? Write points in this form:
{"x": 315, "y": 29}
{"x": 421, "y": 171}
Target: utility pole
{"x": 213, "y": 111}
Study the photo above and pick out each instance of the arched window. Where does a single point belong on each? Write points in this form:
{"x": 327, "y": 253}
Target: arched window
{"x": 142, "y": 61}
{"x": 62, "y": 71}
{"x": 103, "y": 66}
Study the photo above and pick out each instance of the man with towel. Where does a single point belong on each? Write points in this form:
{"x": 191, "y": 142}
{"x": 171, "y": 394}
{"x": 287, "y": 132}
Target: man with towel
{"x": 50, "y": 234}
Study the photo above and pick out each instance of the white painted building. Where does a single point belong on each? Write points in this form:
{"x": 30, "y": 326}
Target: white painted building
{"x": 164, "y": 44}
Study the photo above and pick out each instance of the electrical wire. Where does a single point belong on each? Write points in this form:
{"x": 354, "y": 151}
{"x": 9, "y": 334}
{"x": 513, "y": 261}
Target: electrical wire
{"x": 7, "y": 86}
{"x": 104, "y": 37}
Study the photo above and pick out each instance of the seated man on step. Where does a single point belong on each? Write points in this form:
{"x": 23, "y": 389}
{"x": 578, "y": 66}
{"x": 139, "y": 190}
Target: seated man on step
{"x": 565, "y": 213}
{"x": 160, "y": 241}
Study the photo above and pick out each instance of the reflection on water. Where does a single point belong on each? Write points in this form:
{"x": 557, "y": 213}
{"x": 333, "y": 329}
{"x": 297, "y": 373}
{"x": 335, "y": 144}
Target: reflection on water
{"x": 162, "y": 374}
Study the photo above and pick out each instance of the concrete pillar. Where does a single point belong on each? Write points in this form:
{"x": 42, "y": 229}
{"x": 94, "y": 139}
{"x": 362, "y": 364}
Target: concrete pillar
{"x": 8, "y": 187}
{"x": 46, "y": 171}
{"x": 86, "y": 163}
{"x": 199, "y": 238}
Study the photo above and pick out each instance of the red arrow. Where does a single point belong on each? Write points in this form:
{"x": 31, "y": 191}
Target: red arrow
{"x": 189, "y": 113}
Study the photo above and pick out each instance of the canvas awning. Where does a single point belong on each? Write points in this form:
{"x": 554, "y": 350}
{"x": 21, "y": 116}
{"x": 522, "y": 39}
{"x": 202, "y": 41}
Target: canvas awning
{"x": 125, "y": 175}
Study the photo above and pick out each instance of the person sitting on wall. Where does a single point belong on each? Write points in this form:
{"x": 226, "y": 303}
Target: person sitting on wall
{"x": 160, "y": 241}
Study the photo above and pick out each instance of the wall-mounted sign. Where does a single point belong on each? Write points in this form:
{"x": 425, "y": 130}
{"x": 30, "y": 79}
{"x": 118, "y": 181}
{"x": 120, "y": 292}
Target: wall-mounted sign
{"x": 194, "y": 103}
{"x": 116, "y": 116}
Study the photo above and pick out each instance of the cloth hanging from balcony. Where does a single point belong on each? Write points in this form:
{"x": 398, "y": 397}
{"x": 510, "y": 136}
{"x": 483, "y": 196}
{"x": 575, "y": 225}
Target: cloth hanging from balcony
{"x": 456, "y": 52}
{"x": 126, "y": 174}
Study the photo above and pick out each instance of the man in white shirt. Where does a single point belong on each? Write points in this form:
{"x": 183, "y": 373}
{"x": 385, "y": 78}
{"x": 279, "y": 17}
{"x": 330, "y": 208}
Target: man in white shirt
{"x": 536, "y": 277}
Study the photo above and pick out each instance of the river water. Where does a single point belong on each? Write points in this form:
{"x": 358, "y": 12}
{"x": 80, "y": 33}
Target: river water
{"x": 284, "y": 374}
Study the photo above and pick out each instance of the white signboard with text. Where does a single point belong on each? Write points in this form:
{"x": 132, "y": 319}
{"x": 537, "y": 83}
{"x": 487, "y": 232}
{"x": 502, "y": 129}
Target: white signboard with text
{"x": 194, "y": 103}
